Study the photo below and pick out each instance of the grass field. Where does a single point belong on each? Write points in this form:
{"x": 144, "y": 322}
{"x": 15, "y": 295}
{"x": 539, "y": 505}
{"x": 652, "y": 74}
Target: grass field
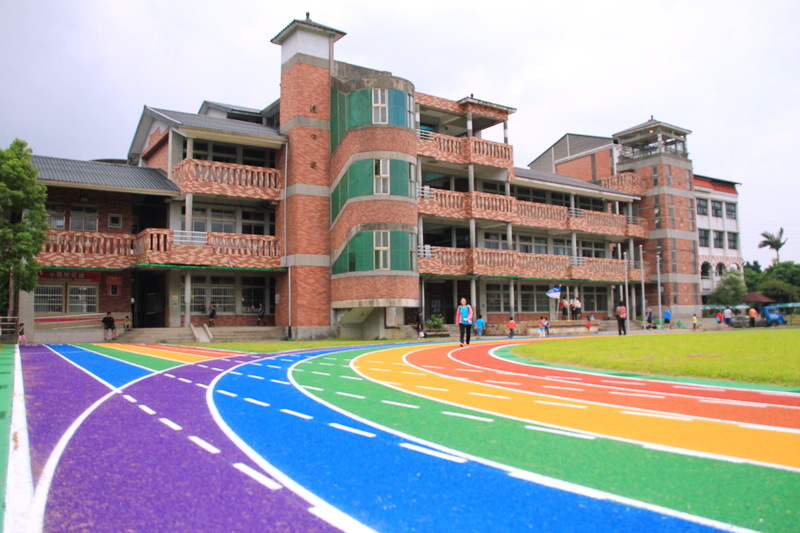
{"x": 769, "y": 356}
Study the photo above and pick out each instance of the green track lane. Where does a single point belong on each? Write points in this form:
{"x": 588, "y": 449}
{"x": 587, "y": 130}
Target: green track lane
{"x": 755, "y": 497}
{"x": 156, "y": 364}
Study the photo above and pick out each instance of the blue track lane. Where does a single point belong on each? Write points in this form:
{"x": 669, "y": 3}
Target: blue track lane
{"x": 113, "y": 371}
{"x": 391, "y": 488}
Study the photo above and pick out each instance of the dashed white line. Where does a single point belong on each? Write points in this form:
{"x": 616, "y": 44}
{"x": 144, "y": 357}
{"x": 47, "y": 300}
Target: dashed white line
{"x": 170, "y": 424}
{"x": 654, "y": 415}
{"x": 574, "y": 406}
{"x": 735, "y": 402}
{"x": 358, "y": 396}
{"x": 431, "y": 388}
{"x": 400, "y": 404}
{"x": 227, "y": 393}
{"x": 280, "y": 382}
{"x": 309, "y": 387}
{"x": 699, "y": 388}
{"x": 202, "y": 385}
{"x": 274, "y": 366}
{"x": 562, "y": 388}
{"x": 169, "y": 375}
{"x": 201, "y": 365}
{"x": 639, "y": 395}
{"x": 254, "y": 364}
{"x": 205, "y": 445}
{"x": 559, "y": 432}
{"x": 217, "y": 369}
{"x": 490, "y": 395}
{"x": 564, "y": 377}
{"x": 502, "y": 382}
{"x": 129, "y": 398}
{"x": 470, "y": 417}
{"x": 185, "y": 380}
{"x": 380, "y": 369}
{"x": 257, "y": 402}
{"x": 146, "y": 409}
{"x": 468, "y": 370}
{"x": 624, "y": 383}
{"x": 326, "y": 364}
{"x": 354, "y": 378}
{"x": 433, "y": 453}
{"x": 769, "y": 428}
{"x": 252, "y": 376}
{"x": 257, "y": 476}
{"x": 431, "y": 366}
{"x": 352, "y": 430}
{"x": 414, "y": 373}
{"x": 317, "y": 372}
{"x": 295, "y": 413}
{"x": 235, "y": 373}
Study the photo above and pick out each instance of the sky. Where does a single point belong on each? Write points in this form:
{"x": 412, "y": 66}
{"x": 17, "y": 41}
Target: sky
{"x": 74, "y": 76}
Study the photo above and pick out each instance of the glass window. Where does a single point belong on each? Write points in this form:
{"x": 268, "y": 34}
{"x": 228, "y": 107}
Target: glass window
{"x": 382, "y": 176}
{"x": 381, "y": 247}
{"x": 380, "y": 106}
{"x": 595, "y": 299}
{"x": 702, "y": 206}
{"x": 223, "y": 221}
{"x": 82, "y": 299}
{"x": 495, "y": 293}
{"x": 253, "y": 294}
{"x": 55, "y": 216}
{"x": 733, "y": 240}
{"x": 48, "y": 299}
{"x": 558, "y": 198}
{"x": 730, "y": 210}
{"x": 223, "y": 293}
{"x": 253, "y": 223}
{"x": 590, "y": 204}
{"x": 719, "y": 239}
{"x": 493, "y": 241}
{"x": 561, "y": 247}
{"x": 83, "y": 218}
{"x": 533, "y": 298}
{"x": 592, "y": 249}
{"x": 703, "y": 237}
{"x": 411, "y": 109}
{"x": 540, "y": 245}
{"x": 716, "y": 208}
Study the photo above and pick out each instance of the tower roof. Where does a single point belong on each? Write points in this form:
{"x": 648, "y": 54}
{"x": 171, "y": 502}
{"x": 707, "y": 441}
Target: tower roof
{"x": 309, "y": 25}
{"x": 653, "y": 124}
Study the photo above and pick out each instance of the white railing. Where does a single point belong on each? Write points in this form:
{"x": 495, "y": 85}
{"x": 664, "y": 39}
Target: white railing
{"x": 189, "y": 238}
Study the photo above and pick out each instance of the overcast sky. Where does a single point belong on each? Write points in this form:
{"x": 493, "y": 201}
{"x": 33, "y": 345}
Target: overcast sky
{"x": 76, "y": 74}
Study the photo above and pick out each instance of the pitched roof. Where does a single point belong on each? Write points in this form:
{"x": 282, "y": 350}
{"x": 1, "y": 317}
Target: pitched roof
{"x": 567, "y": 181}
{"x": 193, "y": 120}
{"x": 653, "y": 123}
{"x": 309, "y": 25}
{"x": 104, "y": 176}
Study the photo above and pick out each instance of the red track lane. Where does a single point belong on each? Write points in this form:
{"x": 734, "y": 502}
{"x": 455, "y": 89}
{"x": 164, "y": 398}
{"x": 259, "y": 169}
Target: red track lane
{"x": 604, "y": 389}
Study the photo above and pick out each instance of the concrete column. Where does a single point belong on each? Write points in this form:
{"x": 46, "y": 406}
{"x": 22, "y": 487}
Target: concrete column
{"x": 420, "y": 239}
{"x": 473, "y": 296}
{"x": 189, "y": 148}
{"x": 511, "y": 296}
{"x": 505, "y": 131}
{"x": 473, "y": 234}
{"x": 187, "y": 299}
{"x": 189, "y": 207}
{"x": 470, "y": 132}
{"x": 574, "y": 245}
{"x": 509, "y": 236}
{"x": 471, "y": 175}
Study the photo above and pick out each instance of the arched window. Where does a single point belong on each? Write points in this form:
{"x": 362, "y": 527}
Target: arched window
{"x": 705, "y": 270}
{"x": 720, "y": 269}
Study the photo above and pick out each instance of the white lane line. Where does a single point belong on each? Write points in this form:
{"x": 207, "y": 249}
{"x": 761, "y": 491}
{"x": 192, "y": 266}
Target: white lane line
{"x": 502, "y": 382}
{"x": 257, "y": 476}
{"x": 413, "y": 373}
{"x": 352, "y": 430}
{"x": 470, "y": 417}
{"x": 217, "y": 369}
{"x": 564, "y": 377}
{"x": 205, "y": 445}
{"x": 317, "y": 372}
{"x": 380, "y": 369}
{"x": 235, "y": 373}
{"x": 735, "y": 402}
{"x": 699, "y": 388}
{"x": 146, "y": 409}
{"x": 295, "y": 413}
{"x": 185, "y": 380}
{"x": 169, "y": 375}
{"x": 254, "y": 364}
{"x": 654, "y": 415}
{"x": 390, "y": 383}
{"x": 170, "y": 424}
{"x": 279, "y": 382}
{"x": 400, "y": 404}
{"x": 431, "y": 366}
{"x": 255, "y": 377}
{"x": 298, "y": 370}
{"x": 490, "y": 395}
{"x": 624, "y": 383}
{"x": 309, "y": 387}
{"x": 561, "y": 404}
{"x": 202, "y": 385}
{"x": 468, "y": 370}
{"x": 354, "y": 378}
{"x": 326, "y": 364}
{"x": 227, "y": 393}
{"x": 201, "y": 365}
{"x": 562, "y": 388}
{"x": 637, "y": 394}
{"x": 274, "y": 366}
{"x": 433, "y": 453}
{"x": 769, "y": 428}
{"x": 358, "y": 396}
{"x": 287, "y": 360}
{"x": 129, "y": 398}
{"x": 257, "y": 402}
{"x": 431, "y": 388}
{"x": 559, "y": 432}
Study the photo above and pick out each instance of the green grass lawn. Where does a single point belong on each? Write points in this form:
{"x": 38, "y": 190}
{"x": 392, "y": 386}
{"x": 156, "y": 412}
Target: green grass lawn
{"x": 769, "y": 356}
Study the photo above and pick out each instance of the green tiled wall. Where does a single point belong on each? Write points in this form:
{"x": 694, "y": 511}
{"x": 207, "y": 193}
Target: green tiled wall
{"x": 359, "y": 179}
{"x": 358, "y": 255}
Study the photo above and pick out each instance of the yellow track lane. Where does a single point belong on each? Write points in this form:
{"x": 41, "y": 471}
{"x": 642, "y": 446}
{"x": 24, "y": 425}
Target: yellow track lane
{"x": 160, "y": 352}
{"x": 659, "y": 428}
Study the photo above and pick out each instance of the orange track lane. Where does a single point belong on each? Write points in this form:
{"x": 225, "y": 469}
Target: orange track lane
{"x": 165, "y": 352}
{"x": 733, "y": 440}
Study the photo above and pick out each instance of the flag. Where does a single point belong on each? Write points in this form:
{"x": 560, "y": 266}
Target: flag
{"x": 554, "y": 293}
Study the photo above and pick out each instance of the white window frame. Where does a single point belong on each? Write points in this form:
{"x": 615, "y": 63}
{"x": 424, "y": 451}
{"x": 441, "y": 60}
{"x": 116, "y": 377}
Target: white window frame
{"x": 380, "y": 106}
{"x": 82, "y": 299}
{"x": 85, "y": 214}
{"x": 115, "y": 220}
{"x": 382, "y": 174}
{"x": 56, "y": 216}
{"x": 381, "y": 245}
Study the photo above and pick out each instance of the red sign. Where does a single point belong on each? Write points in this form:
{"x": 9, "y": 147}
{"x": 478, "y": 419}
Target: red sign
{"x": 70, "y": 275}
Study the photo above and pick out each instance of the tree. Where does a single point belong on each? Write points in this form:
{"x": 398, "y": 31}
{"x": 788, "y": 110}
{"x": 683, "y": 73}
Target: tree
{"x": 23, "y": 219}
{"x": 730, "y": 290}
{"x": 753, "y": 276}
{"x": 774, "y": 241}
{"x": 778, "y": 290}
{"x": 787, "y": 271}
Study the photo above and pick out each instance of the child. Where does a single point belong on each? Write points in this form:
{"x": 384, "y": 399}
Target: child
{"x": 511, "y": 327}
{"x": 480, "y": 326}
{"x": 589, "y": 324}
{"x": 546, "y": 327}
{"x": 212, "y": 316}
{"x": 694, "y": 321}
{"x": 22, "y": 339}
{"x": 541, "y": 328}
{"x": 126, "y": 324}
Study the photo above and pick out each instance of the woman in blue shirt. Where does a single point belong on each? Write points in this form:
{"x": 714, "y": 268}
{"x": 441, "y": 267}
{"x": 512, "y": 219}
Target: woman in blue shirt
{"x": 464, "y": 316}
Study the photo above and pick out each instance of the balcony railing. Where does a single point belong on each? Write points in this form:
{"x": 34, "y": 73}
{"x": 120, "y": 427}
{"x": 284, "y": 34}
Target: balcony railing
{"x": 80, "y": 249}
{"x": 628, "y": 182}
{"x": 465, "y": 149}
{"x": 227, "y": 179}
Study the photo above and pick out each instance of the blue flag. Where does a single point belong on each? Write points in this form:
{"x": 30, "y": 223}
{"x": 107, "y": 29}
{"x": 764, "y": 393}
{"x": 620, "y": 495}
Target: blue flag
{"x": 554, "y": 293}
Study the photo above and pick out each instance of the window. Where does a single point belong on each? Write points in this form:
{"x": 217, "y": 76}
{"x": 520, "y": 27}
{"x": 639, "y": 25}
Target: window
{"x": 48, "y": 299}
{"x": 595, "y": 299}
{"x": 381, "y": 247}
{"x": 380, "y": 106}
{"x": 592, "y": 249}
{"x": 493, "y": 241}
{"x": 559, "y": 198}
{"x": 412, "y": 180}
{"x": 82, "y": 299}
{"x": 590, "y": 204}
{"x": 733, "y": 240}
{"x": 730, "y": 210}
{"x": 704, "y": 237}
{"x": 491, "y": 186}
{"x": 223, "y": 221}
{"x": 410, "y": 108}
{"x": 223, "y": 153}
{"x": 716, "y": 208}
{"x": 702, "y": 206}
{"x": 525, "y": 244}
{"x": 561, "y": 247}
{"x": 719, "y": 239}
{"x": 223, "y": 293}
{"x": 381, "y": 185}
{"x": 83, "y": 218}
{"x": 253, "y": 293}
{"x": 705, "y": 270}
{"x": 540, "y": 245}
{"x": 114, "y": 221}
{"x": 495, "y": 298}
{"x": 55, "y": 216}
{"x": 533, "y": 298}
{"x": 113, "y": 290}
{"x": 253, "y": 223}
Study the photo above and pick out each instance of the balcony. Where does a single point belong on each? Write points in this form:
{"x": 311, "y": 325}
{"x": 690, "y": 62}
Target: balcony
{"x": 79, "y": 249}
{"x": 464, "y": 150}
{"x": 481, "y": 261}
{"x": 227, "y": 179}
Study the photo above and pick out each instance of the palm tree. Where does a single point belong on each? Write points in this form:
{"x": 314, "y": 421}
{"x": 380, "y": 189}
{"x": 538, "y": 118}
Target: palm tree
{"x": 774, "y": 241}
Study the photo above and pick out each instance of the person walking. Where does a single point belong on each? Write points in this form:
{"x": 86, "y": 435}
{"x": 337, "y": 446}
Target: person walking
{"x": 622, "y": 315}
{"x": 420, "y": 325}
{"x": 512, "y": 327}
{"x": 727, "y": 313}
{"x": 212, "y": 315}
{"x": 694, "y": 322}
{"x": 480, "y": 327}
{"x": 465, "y": 315}
{"x": 261, "y": 315}
{"x": 649, "y": 315}
{"x": 752, "y": 314}
{"x": 667, "y": 318}
{"x": 21, "y": 339}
